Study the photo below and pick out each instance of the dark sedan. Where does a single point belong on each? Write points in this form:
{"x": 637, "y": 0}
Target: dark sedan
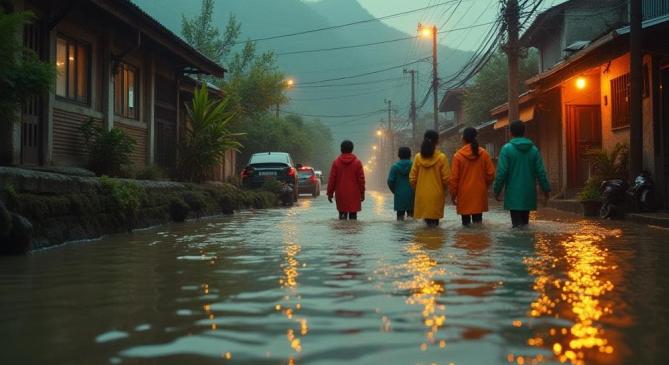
{"x": 270, "y": 166}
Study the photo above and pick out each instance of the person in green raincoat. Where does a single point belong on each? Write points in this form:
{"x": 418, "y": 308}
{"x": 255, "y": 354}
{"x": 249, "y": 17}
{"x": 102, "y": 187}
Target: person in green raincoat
{"x": 398, "y": 182}
{"x": 519, "y": 168}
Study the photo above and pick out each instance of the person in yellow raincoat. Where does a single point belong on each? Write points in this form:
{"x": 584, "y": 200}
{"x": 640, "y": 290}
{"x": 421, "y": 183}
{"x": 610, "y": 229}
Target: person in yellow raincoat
{"x": 429, "y": 178}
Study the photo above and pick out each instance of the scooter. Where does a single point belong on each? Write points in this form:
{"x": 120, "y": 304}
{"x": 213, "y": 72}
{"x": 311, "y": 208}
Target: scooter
{"x": 614, "y": 194}
{"x": 642, "y": 193}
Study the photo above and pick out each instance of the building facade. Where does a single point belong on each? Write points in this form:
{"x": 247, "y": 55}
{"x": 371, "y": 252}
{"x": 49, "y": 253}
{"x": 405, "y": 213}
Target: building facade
{"x": 580, "y": 98}
{"x": 118, "y": 67}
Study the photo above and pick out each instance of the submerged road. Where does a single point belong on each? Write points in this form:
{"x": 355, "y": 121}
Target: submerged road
{"x": 296, "y": 286}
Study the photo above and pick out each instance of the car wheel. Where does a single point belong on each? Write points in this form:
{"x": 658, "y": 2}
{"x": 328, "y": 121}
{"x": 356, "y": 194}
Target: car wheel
{"x": 295, "y": 194}
{"x": 314, "y": 192}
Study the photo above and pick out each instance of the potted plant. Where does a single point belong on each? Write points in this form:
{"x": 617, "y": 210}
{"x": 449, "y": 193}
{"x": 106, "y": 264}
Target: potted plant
{"x": 590, "y": 198}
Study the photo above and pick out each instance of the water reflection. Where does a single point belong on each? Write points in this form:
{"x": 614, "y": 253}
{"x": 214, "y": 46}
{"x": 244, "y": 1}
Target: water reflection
{"x": 574, "y": 281}
{"x": 477, "y": 262}
{"x": 291, "y": 304}
{"x": 424, "y": 286}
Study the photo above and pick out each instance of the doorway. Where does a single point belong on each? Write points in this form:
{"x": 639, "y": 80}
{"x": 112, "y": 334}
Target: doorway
{"x": 32, "y": 115}
{"x": 584, "y": 132}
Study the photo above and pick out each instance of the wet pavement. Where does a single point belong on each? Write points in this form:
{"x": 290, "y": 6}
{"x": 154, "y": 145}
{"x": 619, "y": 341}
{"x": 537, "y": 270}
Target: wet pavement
{"x": 296, "y": 286}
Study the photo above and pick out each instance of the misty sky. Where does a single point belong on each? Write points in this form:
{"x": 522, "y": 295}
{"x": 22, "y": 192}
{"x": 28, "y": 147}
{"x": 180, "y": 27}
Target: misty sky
{"x": 468, "y": 12}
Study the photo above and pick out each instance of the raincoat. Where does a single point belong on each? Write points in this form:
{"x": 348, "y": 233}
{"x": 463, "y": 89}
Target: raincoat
{"x": 471, "y": 176}
{"x": 519, "y": 168}
{"x": 429, "y": 178}
{"x": 398, "y": 182}
{"x": 347, "y": 183}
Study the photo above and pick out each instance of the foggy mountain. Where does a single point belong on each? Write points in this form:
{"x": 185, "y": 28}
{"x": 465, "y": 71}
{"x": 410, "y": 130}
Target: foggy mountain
{"x": 338, "y": 106}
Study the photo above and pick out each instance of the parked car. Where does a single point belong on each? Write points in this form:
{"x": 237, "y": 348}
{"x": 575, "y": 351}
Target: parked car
{"x": 308, "y": 181}
{"x": 270, "y": 166}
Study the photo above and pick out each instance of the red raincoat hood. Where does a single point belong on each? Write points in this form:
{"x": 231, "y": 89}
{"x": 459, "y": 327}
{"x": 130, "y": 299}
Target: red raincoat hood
{"x": 346, "y": 158}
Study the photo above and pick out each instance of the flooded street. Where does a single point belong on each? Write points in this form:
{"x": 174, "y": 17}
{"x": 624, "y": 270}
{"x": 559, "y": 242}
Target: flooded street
{"x": 296, "y": 286}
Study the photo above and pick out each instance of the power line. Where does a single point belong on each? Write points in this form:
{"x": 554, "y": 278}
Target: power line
{"x": 352, "y": 83}
{"x": 363, "y": 74}
{"x": 344, "y": 25}
{"x": 369, "y": 113}
{"x": 376, "y": 43}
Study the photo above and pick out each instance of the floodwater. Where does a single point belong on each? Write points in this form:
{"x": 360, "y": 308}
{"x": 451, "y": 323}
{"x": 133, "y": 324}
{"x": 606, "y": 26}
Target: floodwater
{"x": 296, "y": 286}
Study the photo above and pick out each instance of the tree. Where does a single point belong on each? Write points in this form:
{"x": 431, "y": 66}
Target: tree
{"x": 22, "y": 75}
{"x": 207, "y": 136}
{"x": 490, "y": 89}
{"x": 255, "y": 83}
{"x": 201, "y": 33}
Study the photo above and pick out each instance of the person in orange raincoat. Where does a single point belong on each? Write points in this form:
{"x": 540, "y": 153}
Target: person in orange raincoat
{"x": 429, "y": 178}
{"x": 472, "y": 173}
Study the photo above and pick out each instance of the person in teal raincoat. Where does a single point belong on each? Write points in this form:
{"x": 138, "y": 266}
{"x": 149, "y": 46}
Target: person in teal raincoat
{"x": 519, "y": 168}
{"x": 398, "y": 182}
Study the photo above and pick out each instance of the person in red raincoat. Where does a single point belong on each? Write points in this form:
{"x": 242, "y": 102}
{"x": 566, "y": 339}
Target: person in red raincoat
{"x": 347, "y": 183}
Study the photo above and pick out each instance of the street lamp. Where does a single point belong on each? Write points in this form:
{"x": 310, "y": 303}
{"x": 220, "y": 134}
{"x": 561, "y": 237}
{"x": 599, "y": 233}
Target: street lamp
{"x": 379, "y": 133}
{"x": 374, "y": 147}
{"x": 286, "y": 84}
{"x": 427, "y": 32}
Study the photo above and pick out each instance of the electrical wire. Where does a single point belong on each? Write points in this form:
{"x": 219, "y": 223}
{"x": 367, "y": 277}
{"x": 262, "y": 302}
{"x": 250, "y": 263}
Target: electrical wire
{"x": 344, "y": 25}
{"x": 362, "y": 74}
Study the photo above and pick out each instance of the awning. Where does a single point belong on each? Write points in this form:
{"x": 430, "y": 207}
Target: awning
{"x": 526, "y": 114}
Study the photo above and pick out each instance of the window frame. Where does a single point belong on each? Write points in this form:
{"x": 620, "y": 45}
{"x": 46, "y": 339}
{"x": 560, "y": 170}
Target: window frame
{"x": 618, "y": 122}
{"x": 119, "y": 70}
{"x": 77, "y": 43}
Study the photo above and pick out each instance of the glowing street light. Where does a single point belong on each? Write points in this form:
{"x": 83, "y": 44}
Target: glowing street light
{"x": 379, "y": 133}
{"x": 374, "y": 147}
{"x": 425, "y": 32}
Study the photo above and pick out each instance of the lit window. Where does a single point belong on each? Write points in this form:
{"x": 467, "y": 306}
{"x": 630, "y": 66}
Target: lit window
{"x": 126, "y": 91}
{"x": 73, "y": 66}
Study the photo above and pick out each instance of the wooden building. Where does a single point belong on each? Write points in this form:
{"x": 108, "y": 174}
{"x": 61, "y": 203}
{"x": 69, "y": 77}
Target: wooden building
{"x": 117, "y": 66}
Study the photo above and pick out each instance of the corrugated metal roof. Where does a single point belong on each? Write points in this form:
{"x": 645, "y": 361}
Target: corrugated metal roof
{"x": 210, "y": 65}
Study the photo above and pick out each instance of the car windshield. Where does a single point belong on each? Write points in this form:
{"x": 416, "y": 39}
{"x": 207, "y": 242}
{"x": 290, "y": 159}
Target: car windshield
{"x": 269, "y": 158}
{"x": 305, "y": 173}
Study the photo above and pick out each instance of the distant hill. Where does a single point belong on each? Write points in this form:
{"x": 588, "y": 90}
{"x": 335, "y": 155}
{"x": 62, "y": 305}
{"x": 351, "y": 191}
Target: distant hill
{"x": 261, "y": 18}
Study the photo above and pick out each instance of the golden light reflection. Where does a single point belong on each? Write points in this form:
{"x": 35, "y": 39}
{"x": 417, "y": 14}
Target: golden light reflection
{"x": 379, "y": 202}
{"x": 291, "y": 301}
{"x": 425, "y": 289}
{"x": 574, "y": 280}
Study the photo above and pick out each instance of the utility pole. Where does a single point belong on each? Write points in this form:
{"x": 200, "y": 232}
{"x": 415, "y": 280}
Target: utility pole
{"x": 391, "y": 134}
{"x": 435, "y": 78}
{"x": 636, "y": 110}
{"x": 512, "y": 49}
{"x": 413, "y": 108}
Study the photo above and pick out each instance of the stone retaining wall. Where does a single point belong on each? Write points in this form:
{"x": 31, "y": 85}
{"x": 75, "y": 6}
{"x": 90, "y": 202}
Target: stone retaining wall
{"x": 64, "y": 208}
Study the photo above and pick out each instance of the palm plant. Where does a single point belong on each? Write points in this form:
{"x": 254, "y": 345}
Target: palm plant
{"x": 610, "y": 165}
{"x": 206, "y": 136}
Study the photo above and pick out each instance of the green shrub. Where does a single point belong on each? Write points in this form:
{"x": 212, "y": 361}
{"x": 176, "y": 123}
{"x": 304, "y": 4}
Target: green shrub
{"x": 9, "y": 194}
{"x": 126, "y": 195}
{"x": 109, "y": 150}
{"x": 196, "y": 201}
{"x": 272, "y": 186}
{"x": 151, "y": 172}
{"x": 179, "y": 210}
{"x": 206, "y": 136}
{"x": 590, "y": 191}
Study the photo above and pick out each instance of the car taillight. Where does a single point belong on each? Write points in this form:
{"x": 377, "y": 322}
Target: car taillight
{"x": 314, "y": 178}
{"x": 247, "y": 172}
{"x": 291, "y": 171}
